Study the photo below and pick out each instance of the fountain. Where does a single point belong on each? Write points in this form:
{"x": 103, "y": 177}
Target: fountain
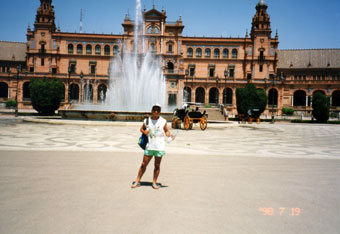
{"x": 136, "y": 82}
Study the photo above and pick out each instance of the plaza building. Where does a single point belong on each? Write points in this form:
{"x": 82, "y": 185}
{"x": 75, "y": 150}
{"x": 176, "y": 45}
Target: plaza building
{"x": 205, "y": 70}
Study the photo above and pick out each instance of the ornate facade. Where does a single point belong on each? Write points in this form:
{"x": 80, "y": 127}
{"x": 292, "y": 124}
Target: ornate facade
{"x": 197, "y": 69}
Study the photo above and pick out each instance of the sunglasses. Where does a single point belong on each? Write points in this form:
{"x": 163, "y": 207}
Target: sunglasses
{"x": 156, "y": 109}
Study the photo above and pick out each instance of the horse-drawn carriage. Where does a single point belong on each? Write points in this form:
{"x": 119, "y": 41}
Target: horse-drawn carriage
{"x": 188, "y": 117}
{"x": 252, "y": 114}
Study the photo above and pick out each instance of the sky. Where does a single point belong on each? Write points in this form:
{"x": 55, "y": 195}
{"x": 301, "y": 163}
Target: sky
{"x": 301, "y": 24}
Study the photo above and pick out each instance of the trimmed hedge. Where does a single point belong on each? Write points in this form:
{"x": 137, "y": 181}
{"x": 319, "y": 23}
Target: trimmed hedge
{"x": 287, "y": 111}
{"x": 11, "y": 103}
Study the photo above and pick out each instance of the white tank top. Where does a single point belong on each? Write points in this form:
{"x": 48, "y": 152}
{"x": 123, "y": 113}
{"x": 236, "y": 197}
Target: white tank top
{"x": 156, "y": 134}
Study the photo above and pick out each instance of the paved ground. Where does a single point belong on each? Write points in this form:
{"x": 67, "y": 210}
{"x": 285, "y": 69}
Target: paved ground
{"x": 70, "y": 178}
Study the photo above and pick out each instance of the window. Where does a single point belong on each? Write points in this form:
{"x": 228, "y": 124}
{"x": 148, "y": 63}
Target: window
{"x": 232, "y": 72}
{"x": 211, "y": 71}
{"x": 98, "y": 49}
{"x": 93, "y": 65}
{"x": 272, "y": 51}
{"x": 70, "y": 48}
{"x": 153, "y": 47}
{"x": 31, "y": 69}
{"x": 216, "y": 53}
{"x": 153, "y": 30}
{"x": 225, "y": 53}
{"x": 54, "y": 70}
{"x": 234, "y": 53}
{"x": 207, "y": 53}
{"x": 107, "y": 50}
{"x": 191, "y": 71}
{"x": 170, "y": 48}
{"x": 32, "y": 44}
{"x": 88, "y": 49}
{"x": 115, "y": 49}
{"x": 42, "y": 62}
{"x": 72, "y": 66}
{"x": 199, "y": 53}
{"x": 261, "y": 55}
{"x": 189, "y": 52}
{"x": 250, "y": 50}
{"x": 79, "y": 49}
{"x": 261, "y": 68}
{"x": 54, "y": 44}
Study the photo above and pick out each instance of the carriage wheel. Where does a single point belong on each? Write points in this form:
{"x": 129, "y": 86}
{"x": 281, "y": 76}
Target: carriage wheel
{"x": 186, "y": 123}
{"x": 203, "y": 123}
{"x": 190, "y": 126}
{"x": 174, "y": 122}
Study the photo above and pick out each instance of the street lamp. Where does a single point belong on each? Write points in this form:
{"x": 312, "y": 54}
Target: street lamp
{"x": 68, "y": 85}
{"x": 81, "y": 85}
{"x": 217, "y": 91}
{"x": 225, "y": 86}
{"x": 16, "y": 93}
{"x": 273, "y": 81}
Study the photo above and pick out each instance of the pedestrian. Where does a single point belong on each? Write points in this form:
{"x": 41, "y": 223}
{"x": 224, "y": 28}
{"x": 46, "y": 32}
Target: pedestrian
{"x": 225, "y": 113}
{"x": 156, "y": 129}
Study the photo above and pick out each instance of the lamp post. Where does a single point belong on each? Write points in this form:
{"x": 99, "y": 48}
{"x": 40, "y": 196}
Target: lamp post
{"x": 68, "y": 84}
{"x": 81, "y": 85}
{"x": 217, "y": 91}
{"x": 16, "y": 93}
{"x": 225, "y": 86}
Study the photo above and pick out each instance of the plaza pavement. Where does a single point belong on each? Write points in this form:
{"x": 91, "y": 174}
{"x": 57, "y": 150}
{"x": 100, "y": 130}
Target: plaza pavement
{"x": 70, "y": 177}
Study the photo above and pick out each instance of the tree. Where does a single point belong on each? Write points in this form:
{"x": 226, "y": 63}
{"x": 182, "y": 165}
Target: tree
{"x": 250, "y": 98}
{"x": 46, "y": 95}
{"x": 320, "y": 107}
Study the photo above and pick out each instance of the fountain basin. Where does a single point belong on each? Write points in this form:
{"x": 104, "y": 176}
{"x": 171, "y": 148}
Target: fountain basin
{"x": 133, "y": 116}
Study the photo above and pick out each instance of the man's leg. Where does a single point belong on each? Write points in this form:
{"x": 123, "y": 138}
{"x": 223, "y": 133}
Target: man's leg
{"x": 146, "y": 160}
{"x": 156, "y": 172}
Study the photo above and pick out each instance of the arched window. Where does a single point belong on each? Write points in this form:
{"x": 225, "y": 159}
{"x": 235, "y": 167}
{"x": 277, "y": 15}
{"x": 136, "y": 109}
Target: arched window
{"x": 336, "y": 98}
{"x": 200, "y": 95}
{"x": 115, "y": 50}
{"x": 207, "y": 53}
{"x": 225, "y": 53}
{"x": 170, "y": 67}
{"x": 98, "y": 49}
{"x": 79, "y": 49}
{"x": 272, "y": 97}
{"x": 228, "y": 96}
{"x": 3, "y": 90}
{"x": 299, "y": 98}
{"x": 190, "y": 52}
{"x": 70, "y": 48}
{"x": 102, "y": 93}
{"x": 234, "y": 53}
{"x": 88, "y": 49}
{"x": 106, "y": 50}
{"x": 319, "y": 91}
{"x": 187, "y": 94}
{"x": 213, "y": 95}
{"x": 199, "y": 52}
{"x": 26, "y": 92}
{"x": 216, "y": 53}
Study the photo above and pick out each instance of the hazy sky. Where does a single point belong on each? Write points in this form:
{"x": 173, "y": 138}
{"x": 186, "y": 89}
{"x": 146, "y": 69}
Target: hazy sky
{"x": 300, "y": 23}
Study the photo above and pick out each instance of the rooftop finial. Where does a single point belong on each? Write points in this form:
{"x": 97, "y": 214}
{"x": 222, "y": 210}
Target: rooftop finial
{"x": 261, "y": 2}
{"x": 153, "y": 5}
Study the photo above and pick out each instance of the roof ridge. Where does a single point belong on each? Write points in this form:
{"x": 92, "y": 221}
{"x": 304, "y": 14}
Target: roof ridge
{"x": 19, "y": 42}
{"x": 309, "y": 49}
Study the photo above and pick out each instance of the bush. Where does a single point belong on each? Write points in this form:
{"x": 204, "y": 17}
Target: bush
{"x": 46, "y": 95}
{"x": 11, "y": 103}
{"x": 287, "y": 111}
{"x": 207, "y": 106}
{"x": 320, "y": 107}
{"x": 250, "y": 98}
